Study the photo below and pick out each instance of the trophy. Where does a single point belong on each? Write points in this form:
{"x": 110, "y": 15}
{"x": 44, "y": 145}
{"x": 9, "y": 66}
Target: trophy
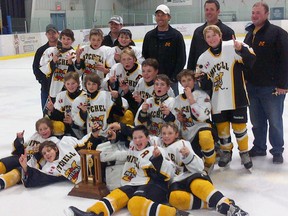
{"x": 91, "y": 185}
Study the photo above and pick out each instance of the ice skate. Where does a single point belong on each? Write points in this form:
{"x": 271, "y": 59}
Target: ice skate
{"x": 231, "y": 209}
{"x": 225, "y": 158}
{"x": 246, "y": 160}
{"x": 73, "y": 211}
{"x": 235, "y": 210}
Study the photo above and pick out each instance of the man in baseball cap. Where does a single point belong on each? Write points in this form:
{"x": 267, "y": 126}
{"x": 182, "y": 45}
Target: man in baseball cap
{"x": 163, "y": 8}
{"x": 51, "y": 27}
{"x": 115, "y": 24}
{"x": 116, "y": 19}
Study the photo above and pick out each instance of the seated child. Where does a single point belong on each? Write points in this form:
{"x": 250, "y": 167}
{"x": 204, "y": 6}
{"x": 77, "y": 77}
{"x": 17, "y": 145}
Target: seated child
{"x": 9, "y": 166}
{"x": 191, "y": 188}
{"x": 124, "y": 76}
{"x": 144, "y": 180}
{"x": 60, "y": 111}
{"x": 145, "y": 86}
{"x": 156, "y": 110}
{"x": 192, "y": 109}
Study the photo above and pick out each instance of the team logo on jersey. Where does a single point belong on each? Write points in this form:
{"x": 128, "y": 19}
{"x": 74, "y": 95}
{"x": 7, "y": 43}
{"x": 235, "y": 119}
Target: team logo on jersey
{"x": 129, "y": 174}
{"x": 72, "y": 172}
{"x": 261, "y": 43}
{"x": 155, "y": 128}
{"x": 218, "y": 82}
{"x": 59, "y": 74}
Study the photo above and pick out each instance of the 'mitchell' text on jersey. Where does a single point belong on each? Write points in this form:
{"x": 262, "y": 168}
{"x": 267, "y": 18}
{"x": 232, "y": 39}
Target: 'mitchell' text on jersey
{"x": 218, "y": 67}
{"x": 96, "y": 108}
{"x": 64, "y": 160}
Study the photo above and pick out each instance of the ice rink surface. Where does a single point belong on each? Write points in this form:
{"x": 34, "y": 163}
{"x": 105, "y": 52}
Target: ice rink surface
{"x": 263, "y": 192}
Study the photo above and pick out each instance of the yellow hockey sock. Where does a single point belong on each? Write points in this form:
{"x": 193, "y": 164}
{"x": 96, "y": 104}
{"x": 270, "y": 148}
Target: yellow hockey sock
{"x": 206, "y": 142}
{"x": 11, "y": 178}
{"x": 223, "y": 130}
{"x": 203, "y": 189}
{"x": 141, "y": 206}
{"x": 116, "y": 200}
{"x": 2, "y": 168}
{"x": 240, "y": 131}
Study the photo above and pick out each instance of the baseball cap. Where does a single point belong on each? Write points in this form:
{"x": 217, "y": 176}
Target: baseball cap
{"x": 163, "y": 8}
{"x": 116, "y": 19}
{"x": 51, "y": 27}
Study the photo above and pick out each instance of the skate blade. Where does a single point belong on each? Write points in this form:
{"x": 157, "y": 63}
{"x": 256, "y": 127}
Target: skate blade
{"x": 250, "y": 171}
{"x": 224, "y": 168}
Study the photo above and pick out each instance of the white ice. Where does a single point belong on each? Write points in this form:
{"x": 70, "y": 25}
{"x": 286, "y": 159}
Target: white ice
{"x": 262, "y": 193}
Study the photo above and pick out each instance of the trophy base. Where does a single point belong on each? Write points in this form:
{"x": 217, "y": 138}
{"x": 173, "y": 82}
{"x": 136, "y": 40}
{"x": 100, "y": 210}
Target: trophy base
{"x": 89, "y": 190}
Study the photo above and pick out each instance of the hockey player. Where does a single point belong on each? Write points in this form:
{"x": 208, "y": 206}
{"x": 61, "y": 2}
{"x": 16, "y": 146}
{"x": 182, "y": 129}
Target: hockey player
{"x": 96, "y": 105}
{"x": 192, "y": 109}
{"x": 191, "y": 187}
{"x": 93, "y": 58}
{"x": 57, "y": 61}
{"x": 125, "y": 41}
{"x": 144, "y": 182}
{"x": 156, "y": 110}
{"x": 145, "y": 86}
{"x": 60, "y": 111}
{"x": 224, "y": 63}
{"x": 124, "y": 76}
{"x": 10, "y": 166}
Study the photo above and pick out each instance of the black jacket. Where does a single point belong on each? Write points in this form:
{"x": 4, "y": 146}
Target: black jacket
{"x": 199, "y": 45}
{"x": 270, "y": 45}
{"x": 169, "y": 51}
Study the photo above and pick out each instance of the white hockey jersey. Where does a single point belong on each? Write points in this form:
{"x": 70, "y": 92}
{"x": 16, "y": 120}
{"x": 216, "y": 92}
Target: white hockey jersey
{"x": 192, "y": 162}
{"x": 98, "y": 110}
{"x": 57, "y": 76}
{"x": 130, "y": 77}
{"x": 156, "y": 117}
{"x": 228, "y": 80}
{"x": 147, "y": 91}
{"x": 92, "y": 57}
{"x": 137, "y": 164}
{"x": 194, "y": 115}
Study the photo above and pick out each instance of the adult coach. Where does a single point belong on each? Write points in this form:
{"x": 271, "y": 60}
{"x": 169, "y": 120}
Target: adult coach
{"x": 115, "y": 24}
{"x": 198, "y": 43}
{"x": 167, "y": 45}
{"x": 52, "y": 35}
{"x": 267, "y": 82}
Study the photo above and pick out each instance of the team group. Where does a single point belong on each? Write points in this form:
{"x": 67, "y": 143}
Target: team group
{"x": 110, "y": 90}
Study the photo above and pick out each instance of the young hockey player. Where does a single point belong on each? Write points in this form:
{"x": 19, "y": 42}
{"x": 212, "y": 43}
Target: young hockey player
{"x": 192, "y": 109}
{"x": 144, "y": 182}
{"x": 57, "y": 61}
{"x": 96, "y": 105}
{"x": 191, "y": 188}
{"x": 145, "y": 86}
{"x": 125, "y": 41}
{"x": 156, "y": 110}
{"x": 60, "y": 111}
{"x": 124, "y": 76}
{"x": 224, "y": 63}
{"x": 9, "y": 166}
{"x": 93, "y": 58}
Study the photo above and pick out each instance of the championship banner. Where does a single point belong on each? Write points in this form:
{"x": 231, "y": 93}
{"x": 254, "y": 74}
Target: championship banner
{"x": 26, "y": 43}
